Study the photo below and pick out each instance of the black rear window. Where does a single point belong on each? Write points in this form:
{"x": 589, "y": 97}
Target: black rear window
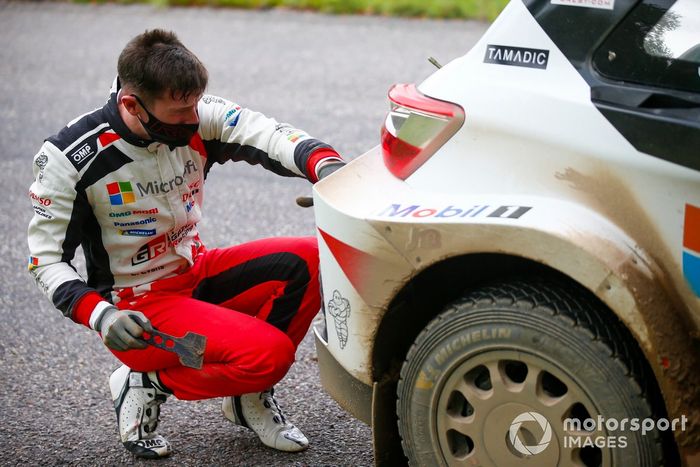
{"x": 658, "y": 43}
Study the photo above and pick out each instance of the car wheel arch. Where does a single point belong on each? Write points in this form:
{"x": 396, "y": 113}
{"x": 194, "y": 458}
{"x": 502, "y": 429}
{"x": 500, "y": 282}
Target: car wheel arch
{"x": 423, "y": 298}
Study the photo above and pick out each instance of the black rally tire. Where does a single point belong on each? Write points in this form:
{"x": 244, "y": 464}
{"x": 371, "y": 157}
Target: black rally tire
{"x": 545, "y": 318}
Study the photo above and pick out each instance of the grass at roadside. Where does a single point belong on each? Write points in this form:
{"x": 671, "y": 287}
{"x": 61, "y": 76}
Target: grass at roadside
{"x": 465, "y": 9}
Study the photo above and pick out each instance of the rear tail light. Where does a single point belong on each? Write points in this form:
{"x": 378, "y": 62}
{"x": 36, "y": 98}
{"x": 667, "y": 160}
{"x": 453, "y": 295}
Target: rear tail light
{"x": 415, "y": 128}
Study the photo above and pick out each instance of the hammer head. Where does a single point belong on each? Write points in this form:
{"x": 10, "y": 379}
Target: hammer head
{"x": 191, "y": 349}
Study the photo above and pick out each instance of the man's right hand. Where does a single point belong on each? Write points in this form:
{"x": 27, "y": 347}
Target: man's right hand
{"x": 121, "y": 329}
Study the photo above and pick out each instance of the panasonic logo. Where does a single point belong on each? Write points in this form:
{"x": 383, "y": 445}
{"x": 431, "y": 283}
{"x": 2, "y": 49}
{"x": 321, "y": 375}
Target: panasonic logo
{"x": 150, "y": 220}
{"x": 516, "y": 56}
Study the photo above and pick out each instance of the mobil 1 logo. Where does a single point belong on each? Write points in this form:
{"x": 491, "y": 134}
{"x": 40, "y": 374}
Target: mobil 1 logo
{"x": 516, "y": 56}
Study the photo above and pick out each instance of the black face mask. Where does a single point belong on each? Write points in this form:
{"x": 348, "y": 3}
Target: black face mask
{"x": 174, "y": 135}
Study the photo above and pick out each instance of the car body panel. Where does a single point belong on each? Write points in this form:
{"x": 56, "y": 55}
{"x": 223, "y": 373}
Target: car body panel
{"x": 536, "y": 172}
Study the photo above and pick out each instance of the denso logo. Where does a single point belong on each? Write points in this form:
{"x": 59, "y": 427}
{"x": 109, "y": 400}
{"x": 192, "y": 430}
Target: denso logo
{"x": 150, "y": 250}
{"x": 40, "y": 200}
{"x": 418, "y": 211}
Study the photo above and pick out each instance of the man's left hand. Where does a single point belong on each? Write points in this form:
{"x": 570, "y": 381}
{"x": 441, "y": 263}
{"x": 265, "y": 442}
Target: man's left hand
{"x": 328, "y": 169}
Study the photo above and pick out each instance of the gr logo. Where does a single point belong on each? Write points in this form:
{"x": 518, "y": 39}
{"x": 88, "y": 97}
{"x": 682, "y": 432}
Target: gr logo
{"x": 150, "y": 250}
{"x": 518, "y": 443}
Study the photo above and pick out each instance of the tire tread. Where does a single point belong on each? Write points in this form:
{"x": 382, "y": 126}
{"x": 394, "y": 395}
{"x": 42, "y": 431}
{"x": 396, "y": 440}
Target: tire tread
{"x": 558, "y": 300}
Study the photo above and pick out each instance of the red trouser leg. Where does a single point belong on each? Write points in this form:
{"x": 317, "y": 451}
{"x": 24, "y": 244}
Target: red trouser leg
{"x": 254, "y": 302}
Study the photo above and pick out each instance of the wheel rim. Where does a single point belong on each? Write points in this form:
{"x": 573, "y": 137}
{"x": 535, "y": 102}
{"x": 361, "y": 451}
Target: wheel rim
{"x": 502, "y": 407}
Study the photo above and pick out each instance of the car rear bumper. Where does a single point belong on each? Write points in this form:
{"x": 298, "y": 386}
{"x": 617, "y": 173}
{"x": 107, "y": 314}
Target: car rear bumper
{"x": 352, "y": 394}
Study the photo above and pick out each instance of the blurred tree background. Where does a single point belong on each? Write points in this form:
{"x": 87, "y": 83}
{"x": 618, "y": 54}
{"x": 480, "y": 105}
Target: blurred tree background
{"x": 450, "y": 9}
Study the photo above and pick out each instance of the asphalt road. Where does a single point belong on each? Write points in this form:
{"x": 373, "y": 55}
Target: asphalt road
{"x": 326, "y": 74}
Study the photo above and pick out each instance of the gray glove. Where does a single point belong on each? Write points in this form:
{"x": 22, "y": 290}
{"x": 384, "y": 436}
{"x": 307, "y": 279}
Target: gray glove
{"x": 328, "y": 169}
{"x": 121, "y": 328}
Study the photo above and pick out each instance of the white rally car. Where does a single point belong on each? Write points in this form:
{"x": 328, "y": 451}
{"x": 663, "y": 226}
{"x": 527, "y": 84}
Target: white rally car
{"x": 513, "y": 276}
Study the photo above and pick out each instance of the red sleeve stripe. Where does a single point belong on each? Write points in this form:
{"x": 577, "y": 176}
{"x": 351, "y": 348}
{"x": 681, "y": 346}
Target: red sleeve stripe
{"x": 83, "y": 309}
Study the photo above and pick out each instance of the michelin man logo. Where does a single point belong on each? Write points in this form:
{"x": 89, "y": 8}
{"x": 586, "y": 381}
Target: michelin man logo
{"x": 41, "y": 162}
{"x": 517, "y": 442}
{"x": 339, "y": 309}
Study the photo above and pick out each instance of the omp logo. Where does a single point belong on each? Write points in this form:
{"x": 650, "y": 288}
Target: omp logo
{"x": 516, "y": 56}
{"x": 514, "y": 436}
{"x": 150, "y": 250}
{"x": 120, "y": 193}
{"x": 33, "y": 263}
{"x": 691, "y": 247}
{"x": 152, "y": 443}
{"x": 82, "y": 153}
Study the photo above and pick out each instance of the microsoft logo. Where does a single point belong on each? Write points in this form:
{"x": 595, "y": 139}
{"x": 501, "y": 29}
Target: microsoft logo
{"x": 120, "y": 193}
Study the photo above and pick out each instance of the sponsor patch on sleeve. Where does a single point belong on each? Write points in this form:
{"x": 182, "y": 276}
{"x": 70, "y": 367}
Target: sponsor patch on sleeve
{"x": 82, "y": 154}
{"x": 209, "y": 99}
{"x": 42, "y": 212}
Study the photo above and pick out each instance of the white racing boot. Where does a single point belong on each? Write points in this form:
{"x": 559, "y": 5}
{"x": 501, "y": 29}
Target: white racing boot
{"x": 261, "y": 413}
{"x": 137, "y": 400}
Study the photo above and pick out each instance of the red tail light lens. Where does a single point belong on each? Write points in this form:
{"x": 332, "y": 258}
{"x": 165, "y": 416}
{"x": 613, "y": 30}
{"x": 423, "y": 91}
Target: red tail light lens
{"x": 415, "y": 128}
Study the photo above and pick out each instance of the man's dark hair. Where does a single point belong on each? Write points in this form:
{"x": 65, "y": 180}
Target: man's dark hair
{"x": 155, "y": 62}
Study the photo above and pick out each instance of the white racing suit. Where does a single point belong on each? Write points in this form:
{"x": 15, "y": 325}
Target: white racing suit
{"x": 134, "y": 205}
